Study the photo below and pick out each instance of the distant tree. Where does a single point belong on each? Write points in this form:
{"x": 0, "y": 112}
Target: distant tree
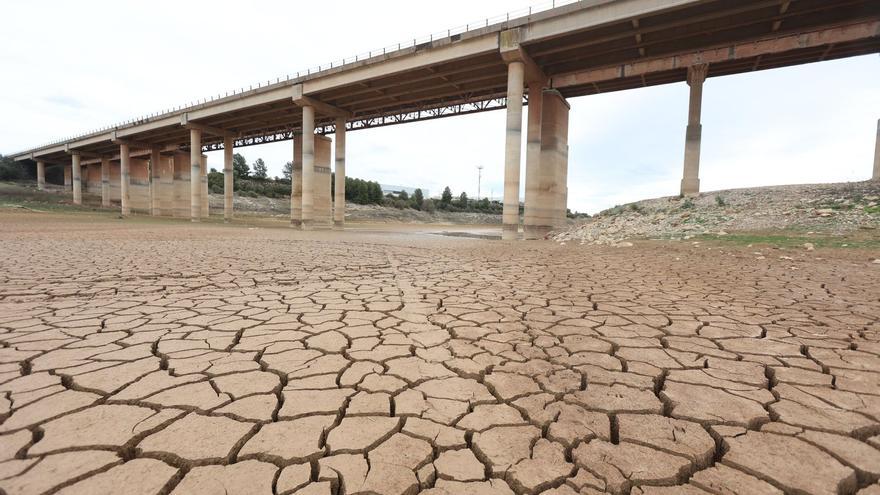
{"x": 215, "y": 181}
{"x": 417, "y": 199}
{"x": 240, "y": 168}
{"x": 261, "y": 171}
{"x": 446, "y": 198}
{"x": 463, "y": 200}
{"x": 403, "y": 195}
{"x": 10, "y": 169}
{"x": 287, "y": 170}
{"x": 375, "y": 193}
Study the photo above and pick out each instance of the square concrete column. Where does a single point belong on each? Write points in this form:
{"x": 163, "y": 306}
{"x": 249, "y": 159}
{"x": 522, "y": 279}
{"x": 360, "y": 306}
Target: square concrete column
{"x": 76, "y": 171}
{"x": 41, "y": 175}
{"x": 339, "y": 189}
{"x": 546, "y": 203}
{"x": 105, "y": 182}
{"x": 533, "y": 160}
{"x": 228, "y": 185}
{"x": 296, "y": 183}
{"x": 510, "y": 213}
{"x": 690, "y": 182}
{"x": 206, "y": 210}
{"x": 195, "y": 174}
{"x": 876, "y": 174}
{"x": 68, "y": 181}
{"x": 554, "y": 152}
{"x": 124, "y": 178}
{"x": 155, "y": 182}
{"x": 308, "y": 173}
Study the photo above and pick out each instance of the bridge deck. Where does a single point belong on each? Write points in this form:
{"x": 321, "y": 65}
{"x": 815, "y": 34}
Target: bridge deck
{"x": 586, "y": 48}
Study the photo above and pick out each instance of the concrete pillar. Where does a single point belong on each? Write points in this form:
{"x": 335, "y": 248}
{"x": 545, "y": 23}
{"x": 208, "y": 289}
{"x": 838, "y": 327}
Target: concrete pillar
{"x": 155, "y": 183}
{"x": 308, "y": 172}
{"x": 690, "y": 182}
{"x": 228, "y": 186}
{"x": 68, "y": 182}
{"x": 204, "y": 185}
{"x": 510, "y": 217}
{"x": 533, "y": 160}
{"x": 195, "y": 174}
{"x": 76, "y": 171}
{"x": 41, "y": 175}
{"x": 125, "y": 179}
{"x": 339, "y": 187}
{"x": 322, "y": 201}
{"x": 296, "y": 183}
{"x": 554, "y": 159}
{"x": 105, "y": 182}
{"x": 876, "y": 174}
{"x": 546, "y": 191}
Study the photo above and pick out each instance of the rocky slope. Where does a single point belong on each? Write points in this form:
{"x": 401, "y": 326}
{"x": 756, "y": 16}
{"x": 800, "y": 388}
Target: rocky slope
{"x": 833, "y": 209}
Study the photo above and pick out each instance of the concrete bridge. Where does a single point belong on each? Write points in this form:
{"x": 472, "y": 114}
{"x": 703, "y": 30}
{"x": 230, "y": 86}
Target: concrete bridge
{"x": 539, "y": 60}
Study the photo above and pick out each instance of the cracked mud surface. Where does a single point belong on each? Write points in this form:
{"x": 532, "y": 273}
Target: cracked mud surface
{"x": 140, "y": 357}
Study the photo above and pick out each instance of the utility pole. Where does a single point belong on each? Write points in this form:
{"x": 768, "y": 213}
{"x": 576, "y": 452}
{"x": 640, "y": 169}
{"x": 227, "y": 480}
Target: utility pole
{"x": 479, "y": 178}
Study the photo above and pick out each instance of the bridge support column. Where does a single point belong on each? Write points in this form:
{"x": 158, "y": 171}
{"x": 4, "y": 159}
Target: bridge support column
{"x": 155, "y": 182}
{"x": 41, "y": 176}
{"x": 296, "y": 186}
{"x": 533, "y": 161}
{"x": 308, "y": 167}
{"x": 510, "y": 212}
{"x": 228, "y": 184}
{"x": 876, "y": 174}
{"x": 125, "y": 178}
{"x": 195, "y": 174}
{"x": 68, "y": 182}
{"x": 546, "y": 199}
{"x": 105, "y": 182}
{"x": 554, "y": 159}
{"x": 339, "y": 187}
{"x": 76, "y": 172}
{"x": 690, "y": 182}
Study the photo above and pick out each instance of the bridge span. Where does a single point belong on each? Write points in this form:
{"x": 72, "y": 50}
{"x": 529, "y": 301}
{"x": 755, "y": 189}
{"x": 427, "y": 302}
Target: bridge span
{"x": 156, "y": 163}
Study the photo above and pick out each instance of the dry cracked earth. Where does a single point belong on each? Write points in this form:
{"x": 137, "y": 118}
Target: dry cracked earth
{"x": 145, "y": 357}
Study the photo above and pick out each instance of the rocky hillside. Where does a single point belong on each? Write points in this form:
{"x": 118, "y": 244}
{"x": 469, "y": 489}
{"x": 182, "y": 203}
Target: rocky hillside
{"x": 833, "y": 209}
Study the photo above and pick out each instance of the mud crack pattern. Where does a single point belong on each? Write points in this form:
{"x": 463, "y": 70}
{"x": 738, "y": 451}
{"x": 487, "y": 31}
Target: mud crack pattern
{"x": 144, "y": 358}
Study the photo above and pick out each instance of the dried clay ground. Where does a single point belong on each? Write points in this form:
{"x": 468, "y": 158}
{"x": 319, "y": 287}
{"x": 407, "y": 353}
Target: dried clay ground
{"x": 141, "y": 356}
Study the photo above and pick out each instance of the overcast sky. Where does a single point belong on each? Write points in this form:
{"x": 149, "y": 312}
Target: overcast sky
{"x": 69, "y": 67}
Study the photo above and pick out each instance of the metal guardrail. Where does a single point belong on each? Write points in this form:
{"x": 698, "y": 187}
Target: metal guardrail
{"x": 409, "y": 43}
